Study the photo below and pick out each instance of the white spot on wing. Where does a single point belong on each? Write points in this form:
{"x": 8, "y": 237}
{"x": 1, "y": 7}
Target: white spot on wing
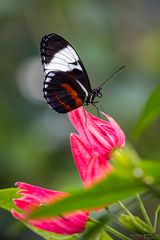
{"x": 73, "y": 53}
{"x": 48, "y": 79}
{"x": 56, "y": 67}
{"x": 51, "y": 74}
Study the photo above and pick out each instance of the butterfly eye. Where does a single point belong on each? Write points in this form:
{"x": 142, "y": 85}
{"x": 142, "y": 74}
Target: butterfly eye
{"x": 99, "y": 94}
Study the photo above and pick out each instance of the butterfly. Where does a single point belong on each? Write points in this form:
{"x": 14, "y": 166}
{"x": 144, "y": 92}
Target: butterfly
{"x": 66, "y": 85}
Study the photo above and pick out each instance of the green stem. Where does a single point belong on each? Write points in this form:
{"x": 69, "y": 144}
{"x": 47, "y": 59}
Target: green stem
{"x": 125, "y": 209}
{"x": 143, "y": 211}
{"x": 93, "y": 220}
{"x": 156, "y": 219}
{"x": 155, "y": 222}
{"x": 116, "y": 233}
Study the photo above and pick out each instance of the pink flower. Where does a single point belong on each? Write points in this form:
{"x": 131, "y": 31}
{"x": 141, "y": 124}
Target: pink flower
{"x": 92, "y": 150}
{"x": 33, "y": 197}
{"x": 93, "y": 147}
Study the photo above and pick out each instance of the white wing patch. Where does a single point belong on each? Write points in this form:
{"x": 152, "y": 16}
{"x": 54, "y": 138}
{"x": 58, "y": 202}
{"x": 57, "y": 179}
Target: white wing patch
{"x": 64, "y": 61}
{"x": 71, "y": 50}
{"x": 48, "y": 79}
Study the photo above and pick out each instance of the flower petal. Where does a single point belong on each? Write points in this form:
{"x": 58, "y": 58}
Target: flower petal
{"x": 102, "y": 136}
{"x": 69, "y": 224}
{"x": 78, "y": 117}
{"x": 91, "y": 165}
{"x": 33, "y": 196}
{"x": 118, "y": 131}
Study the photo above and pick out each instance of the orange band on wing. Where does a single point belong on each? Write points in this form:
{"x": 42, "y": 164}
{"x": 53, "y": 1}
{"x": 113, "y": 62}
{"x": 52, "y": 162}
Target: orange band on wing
{"x": 73, "y": 94}
{"x": 62, "y": 103}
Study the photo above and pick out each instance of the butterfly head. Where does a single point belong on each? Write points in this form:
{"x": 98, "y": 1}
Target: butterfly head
{"x": 98, "y": 92}
{"x": 91, "y": 97}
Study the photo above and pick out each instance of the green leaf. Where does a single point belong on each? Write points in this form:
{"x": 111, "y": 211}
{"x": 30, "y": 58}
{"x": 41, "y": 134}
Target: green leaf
{"x": 94, "y": 229}
{"x": 118, "y": 185}
{"x": 101, "y": 194}
{"x": 151, "y": 112}
{"x": 151, "y": 170}
{"x": 105, "y": 236}
{"x": 6, "y": 198}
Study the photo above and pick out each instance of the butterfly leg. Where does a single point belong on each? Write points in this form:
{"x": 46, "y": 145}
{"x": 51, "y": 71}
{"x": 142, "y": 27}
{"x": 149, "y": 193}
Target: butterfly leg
{"x": 93, "y": 103}
{"x": 101, "y": 108}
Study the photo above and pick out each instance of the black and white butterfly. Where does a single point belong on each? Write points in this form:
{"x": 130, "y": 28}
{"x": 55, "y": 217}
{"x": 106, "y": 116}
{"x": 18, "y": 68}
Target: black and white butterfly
{"x": 66, "y": 84}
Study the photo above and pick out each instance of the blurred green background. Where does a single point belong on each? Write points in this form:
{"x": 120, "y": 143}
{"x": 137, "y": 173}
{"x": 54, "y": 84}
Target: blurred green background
{"x": 34, "y": 140}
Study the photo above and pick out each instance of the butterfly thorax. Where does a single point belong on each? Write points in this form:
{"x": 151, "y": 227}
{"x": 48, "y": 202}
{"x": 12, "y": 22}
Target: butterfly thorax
{"x": 92, "y": 95}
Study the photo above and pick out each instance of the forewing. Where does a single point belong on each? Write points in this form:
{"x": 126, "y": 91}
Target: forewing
{"x": 59, "y": 56}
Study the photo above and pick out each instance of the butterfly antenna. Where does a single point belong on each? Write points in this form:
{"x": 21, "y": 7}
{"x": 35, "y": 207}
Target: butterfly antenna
{"x": 117, "y": 71}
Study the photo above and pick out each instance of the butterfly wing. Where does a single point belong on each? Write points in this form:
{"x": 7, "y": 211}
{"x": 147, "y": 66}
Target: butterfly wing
{"x": 62, "y": 92}
{"x": 66, "y": 82}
